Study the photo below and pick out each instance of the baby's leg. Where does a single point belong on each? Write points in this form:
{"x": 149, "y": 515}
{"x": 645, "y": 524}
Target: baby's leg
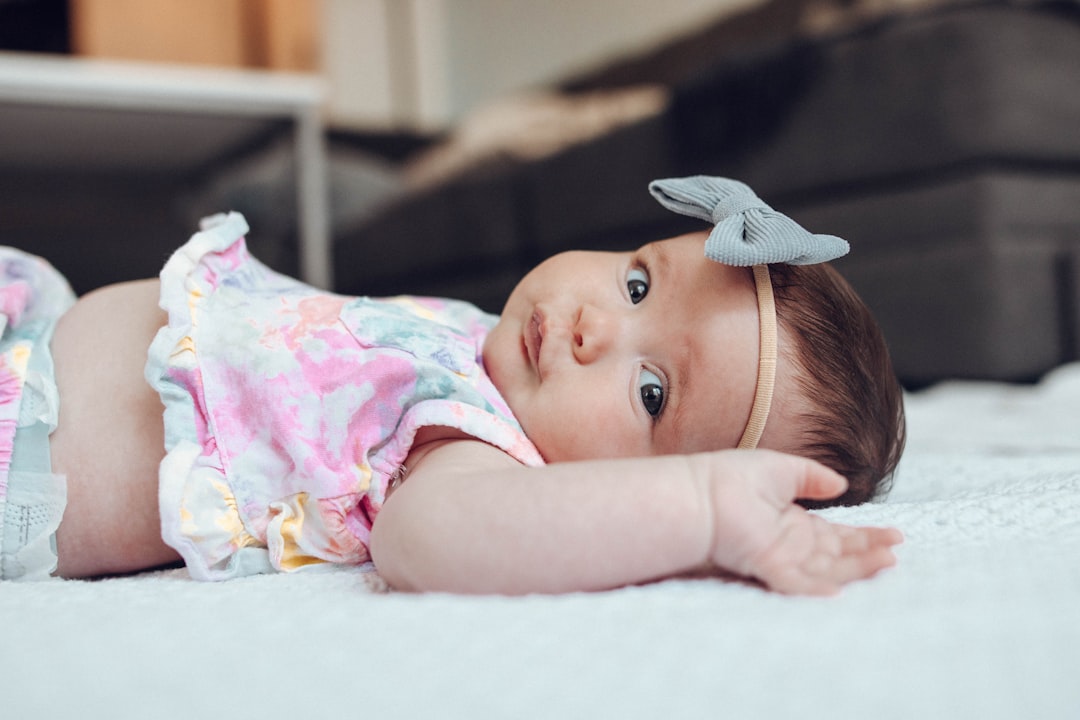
{"x": 110, "y": 437}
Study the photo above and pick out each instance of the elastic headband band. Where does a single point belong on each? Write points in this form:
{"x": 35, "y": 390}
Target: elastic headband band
{"x": 766, "y": 378}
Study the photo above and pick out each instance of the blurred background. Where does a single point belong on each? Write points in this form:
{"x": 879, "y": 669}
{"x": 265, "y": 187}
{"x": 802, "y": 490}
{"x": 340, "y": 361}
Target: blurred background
{"x": 445, "y": 146}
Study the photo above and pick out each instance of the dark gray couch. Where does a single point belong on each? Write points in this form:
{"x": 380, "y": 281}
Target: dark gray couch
{"x": 944, "y": 145}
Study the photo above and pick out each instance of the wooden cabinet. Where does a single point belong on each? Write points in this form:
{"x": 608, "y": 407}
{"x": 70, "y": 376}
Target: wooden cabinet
{"x": 271, "y": 34}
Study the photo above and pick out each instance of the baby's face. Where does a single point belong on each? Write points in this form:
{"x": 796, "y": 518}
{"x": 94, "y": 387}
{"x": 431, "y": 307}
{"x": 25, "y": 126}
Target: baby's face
{"x": 629, "y": 354}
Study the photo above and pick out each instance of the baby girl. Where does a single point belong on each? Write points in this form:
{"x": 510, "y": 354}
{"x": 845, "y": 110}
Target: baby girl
{"x": 628, "y": 417}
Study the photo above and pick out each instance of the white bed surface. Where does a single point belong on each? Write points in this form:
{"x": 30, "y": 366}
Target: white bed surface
{"x": 980, "y": 619}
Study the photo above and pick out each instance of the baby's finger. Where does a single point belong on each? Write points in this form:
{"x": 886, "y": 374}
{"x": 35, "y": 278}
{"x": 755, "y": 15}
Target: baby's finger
{"x": 858, "y": 566}
{"x": 826, "y": 567}
{"x": 860, "y": 539}
{"x": 818, "y": 482}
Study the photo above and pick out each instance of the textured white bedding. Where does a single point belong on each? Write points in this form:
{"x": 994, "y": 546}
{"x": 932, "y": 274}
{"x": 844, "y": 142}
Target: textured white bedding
{"x": 980, "y": 619}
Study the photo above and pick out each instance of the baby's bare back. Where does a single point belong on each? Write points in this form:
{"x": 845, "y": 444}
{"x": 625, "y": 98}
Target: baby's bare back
{"x": 110, "y": 437}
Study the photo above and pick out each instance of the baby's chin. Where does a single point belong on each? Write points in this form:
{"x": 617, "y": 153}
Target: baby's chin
{"x": 490, "y": 357}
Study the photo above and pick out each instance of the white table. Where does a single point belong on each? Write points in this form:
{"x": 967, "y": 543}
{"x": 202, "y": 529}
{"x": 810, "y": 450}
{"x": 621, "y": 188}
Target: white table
{"x": 134, "y": 117}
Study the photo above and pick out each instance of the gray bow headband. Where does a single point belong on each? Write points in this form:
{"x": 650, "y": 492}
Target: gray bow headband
{"x": 746, "y": 231}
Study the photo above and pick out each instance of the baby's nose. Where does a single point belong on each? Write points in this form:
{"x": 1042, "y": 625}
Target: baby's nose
{"x": 595, "y": 330}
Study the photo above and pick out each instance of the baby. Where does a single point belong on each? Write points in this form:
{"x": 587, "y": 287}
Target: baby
{"x": 600, "y": 432}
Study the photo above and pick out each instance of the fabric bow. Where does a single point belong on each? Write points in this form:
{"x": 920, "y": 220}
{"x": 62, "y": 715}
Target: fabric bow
{"x": 746, "y": 231}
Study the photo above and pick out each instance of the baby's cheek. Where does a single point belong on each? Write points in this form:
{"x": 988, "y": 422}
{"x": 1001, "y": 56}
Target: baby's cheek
{"x": 584, "y": 438}
{"x": 549, "y": 434}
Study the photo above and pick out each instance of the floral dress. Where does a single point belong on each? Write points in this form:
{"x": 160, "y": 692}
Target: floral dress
{"x": 289, "y": 410}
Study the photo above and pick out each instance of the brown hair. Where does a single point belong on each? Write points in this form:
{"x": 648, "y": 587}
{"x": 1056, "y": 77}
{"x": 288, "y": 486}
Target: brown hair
{"x": 856, "y": 422}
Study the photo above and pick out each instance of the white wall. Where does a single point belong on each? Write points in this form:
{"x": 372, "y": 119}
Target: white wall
{"x": 424, "y": 63}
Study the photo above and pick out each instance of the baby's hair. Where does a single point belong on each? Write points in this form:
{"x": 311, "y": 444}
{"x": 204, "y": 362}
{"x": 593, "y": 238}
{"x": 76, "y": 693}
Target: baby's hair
{"x": 856, "y": 422}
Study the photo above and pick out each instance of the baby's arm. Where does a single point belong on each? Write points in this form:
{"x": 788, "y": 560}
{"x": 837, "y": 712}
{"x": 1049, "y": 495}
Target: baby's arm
{"x": 470, "y": 519}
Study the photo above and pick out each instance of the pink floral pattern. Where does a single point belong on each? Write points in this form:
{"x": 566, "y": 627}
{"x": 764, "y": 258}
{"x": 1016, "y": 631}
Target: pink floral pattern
{"x": 33, "y": 296}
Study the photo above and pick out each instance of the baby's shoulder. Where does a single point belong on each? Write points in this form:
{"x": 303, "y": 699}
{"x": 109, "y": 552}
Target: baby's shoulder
{"x": 443, "y": 447}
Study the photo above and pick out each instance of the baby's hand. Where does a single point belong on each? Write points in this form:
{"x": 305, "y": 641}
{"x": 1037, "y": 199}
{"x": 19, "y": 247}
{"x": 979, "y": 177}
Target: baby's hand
{"x": 761, "y": 533}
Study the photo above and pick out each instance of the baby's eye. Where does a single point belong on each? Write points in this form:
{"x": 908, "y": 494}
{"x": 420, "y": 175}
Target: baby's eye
{"x": 651, "y": 388}
{"x": 637, "y": 284}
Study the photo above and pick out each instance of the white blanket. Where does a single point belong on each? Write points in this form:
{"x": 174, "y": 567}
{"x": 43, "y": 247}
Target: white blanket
{"x": 980, "y": 619}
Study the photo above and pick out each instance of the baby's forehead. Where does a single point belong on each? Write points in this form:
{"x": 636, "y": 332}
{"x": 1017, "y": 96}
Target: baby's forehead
{"x": 707, "y": 315}
{"x": 702, "y": 281}
{"x": 687, "y": 247}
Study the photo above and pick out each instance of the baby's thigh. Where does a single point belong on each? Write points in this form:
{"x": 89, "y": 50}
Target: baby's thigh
{"x": 110, "y": 437}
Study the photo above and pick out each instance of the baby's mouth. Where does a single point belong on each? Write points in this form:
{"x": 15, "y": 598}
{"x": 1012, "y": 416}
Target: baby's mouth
{"x": 534, "y": 338}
